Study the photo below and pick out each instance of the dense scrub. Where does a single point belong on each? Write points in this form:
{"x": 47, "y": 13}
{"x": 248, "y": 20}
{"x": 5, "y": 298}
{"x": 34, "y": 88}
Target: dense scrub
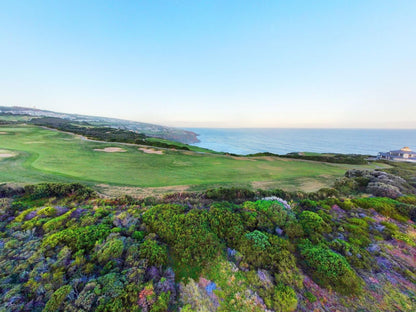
{"x": 354, "y": 159}
{"x": 108, "y": 134}
{"x": 64, "y": 249}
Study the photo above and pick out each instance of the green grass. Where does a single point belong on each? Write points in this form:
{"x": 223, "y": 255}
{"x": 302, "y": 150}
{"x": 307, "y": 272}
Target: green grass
{"x": 47, "y": 155}
{"x": 21, "y": 118}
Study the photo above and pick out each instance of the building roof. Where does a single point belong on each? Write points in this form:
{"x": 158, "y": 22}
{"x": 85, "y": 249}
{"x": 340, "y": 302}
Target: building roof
{"x": 405, "y": 150}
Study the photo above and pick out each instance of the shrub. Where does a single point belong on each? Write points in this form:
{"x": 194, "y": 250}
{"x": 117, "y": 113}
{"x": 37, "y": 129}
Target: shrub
{"x": 313, "y": 224}
{"x": 284, "y": 298}
{"x": 47, "y": 212}
{"x": 156, "y": 254}
{"x": 383, "y": 205}
{"x": 57, "y": 298}
{"x": 42, "y": 190}
{"x": 259, "y": 239}
{"x": 83, "y": 238}
{"x": 310, "y": 296}
{"x": 112, "y": 249}
{"x": 330, "y": 269}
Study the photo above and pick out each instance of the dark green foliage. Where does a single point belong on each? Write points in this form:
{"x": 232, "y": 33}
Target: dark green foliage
{"x": 108, "y": 255}
{"x": 313, "y": 225}
{"x": 310, "y": 296}
{"x": 189, "y": 235}
{"x": 332, "y": 158}
{"x": 102, "y": 133}
{"x": 83, "y": 238}
{"x": 112, "y": 249}
{"x": 139, "y": 235}
{"x": 329, "y": 268}
{"x": 42, "y": 190}
{"x": 155, "y": 253}
{"x": 58, "y": 297}
{"x": 226, "y": 224}
{"x": 358, "y": 257}
{"x": 259, "y": 239}
{"x": 266, "y": 213}
{"x": 386, "y": 206}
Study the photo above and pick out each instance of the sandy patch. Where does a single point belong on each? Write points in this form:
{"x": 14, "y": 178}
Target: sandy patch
{"x": 2, "y": 132}
{"x": 150, "y": 151}
{"x": 34, "y": 142}
{"x": 6, "y": 154}
{"x": 111, "y": 150}
{"x": 140, "y": 192}
{"x": 265, "y": 185}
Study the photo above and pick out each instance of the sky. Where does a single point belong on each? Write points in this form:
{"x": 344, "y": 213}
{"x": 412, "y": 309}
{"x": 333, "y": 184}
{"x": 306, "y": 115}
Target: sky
{"x": 209, "y": 63}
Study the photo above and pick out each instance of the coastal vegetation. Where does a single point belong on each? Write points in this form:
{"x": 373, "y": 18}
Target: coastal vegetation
{"x": 65, "y": 248}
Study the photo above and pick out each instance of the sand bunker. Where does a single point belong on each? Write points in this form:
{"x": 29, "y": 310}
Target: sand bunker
{"x": 111, "y": 150}
{"x": 6, "y": 154}
{"x": 2, "y": 132}
{"x": 150, "y": 151}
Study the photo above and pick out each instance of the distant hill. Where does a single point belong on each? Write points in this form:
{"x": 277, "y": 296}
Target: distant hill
{"x": 152, "y": 130}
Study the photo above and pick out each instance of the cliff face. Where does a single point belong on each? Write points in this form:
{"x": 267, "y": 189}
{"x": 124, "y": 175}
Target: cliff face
{"x": 168, "y": 133}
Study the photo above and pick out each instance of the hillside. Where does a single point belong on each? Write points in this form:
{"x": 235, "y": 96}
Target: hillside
{"x": 62, "y": 248}
{"x": 152, "y": 130}
{"x": 45, "y": 155}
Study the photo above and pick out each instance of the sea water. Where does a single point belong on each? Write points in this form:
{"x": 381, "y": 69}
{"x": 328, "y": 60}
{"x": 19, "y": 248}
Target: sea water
{"x": 282, "y": 141}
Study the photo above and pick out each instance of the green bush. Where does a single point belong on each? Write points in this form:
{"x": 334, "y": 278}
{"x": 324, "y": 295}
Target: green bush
{"x": 156, "y": 254}
{"x": 42, "y": 190}
{"x": 57, "y": 298}
{"x": 47, "y": 212}
{"x": 259, "y": 239}
{"x": 383, "y": 205}
{"x": 330, "y": 269}
{"x": 313, "y": 225}
{"x": 112, "y": 249}
{"x": 284, "y": 298}
{"x": 83, "y": 238}
{"x": 310, "y": 296}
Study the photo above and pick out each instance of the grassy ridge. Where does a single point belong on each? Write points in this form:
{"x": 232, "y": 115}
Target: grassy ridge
{"x": 46, "y": 155}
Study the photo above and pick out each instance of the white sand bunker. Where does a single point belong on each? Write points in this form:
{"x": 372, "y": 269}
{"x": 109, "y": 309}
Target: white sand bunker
{"x": 2, "y": 132}
{"x": 111, "y": 150}
{"x": 6, "y": 154}
{"x": 150, "y": 151}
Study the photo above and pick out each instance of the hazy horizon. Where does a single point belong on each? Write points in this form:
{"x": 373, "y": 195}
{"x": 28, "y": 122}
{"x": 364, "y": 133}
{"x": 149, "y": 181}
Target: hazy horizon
{"x": 218, "y": 127}
{"x": 216, "y": 64}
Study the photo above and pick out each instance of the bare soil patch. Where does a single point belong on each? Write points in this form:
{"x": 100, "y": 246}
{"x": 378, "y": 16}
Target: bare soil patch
{"x": 2, "y": 132}
{"x": 111, "y": 150}
{"x": 6, "y": 154}
{"x": 140, "y": 192}
{"x": 150, "y": 151}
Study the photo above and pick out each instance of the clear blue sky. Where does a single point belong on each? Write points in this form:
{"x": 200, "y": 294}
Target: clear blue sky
{"x": 214, "y": 63}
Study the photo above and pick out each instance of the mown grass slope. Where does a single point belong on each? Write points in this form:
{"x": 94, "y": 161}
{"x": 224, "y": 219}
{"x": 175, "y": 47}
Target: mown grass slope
{"x": 47, "y": 155}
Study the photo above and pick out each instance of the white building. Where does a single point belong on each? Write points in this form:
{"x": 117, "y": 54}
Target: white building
{"x": 404, "y": 154}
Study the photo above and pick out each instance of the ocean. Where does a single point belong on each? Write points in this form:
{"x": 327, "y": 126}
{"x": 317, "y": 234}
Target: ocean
{"x": 282, "y": 141}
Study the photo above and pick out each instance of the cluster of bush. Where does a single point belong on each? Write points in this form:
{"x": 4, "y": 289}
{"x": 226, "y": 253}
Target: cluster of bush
{"x": 354, "y": 159}
{"x": 107, "y": 134}
{"x": 64, "y": 249}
